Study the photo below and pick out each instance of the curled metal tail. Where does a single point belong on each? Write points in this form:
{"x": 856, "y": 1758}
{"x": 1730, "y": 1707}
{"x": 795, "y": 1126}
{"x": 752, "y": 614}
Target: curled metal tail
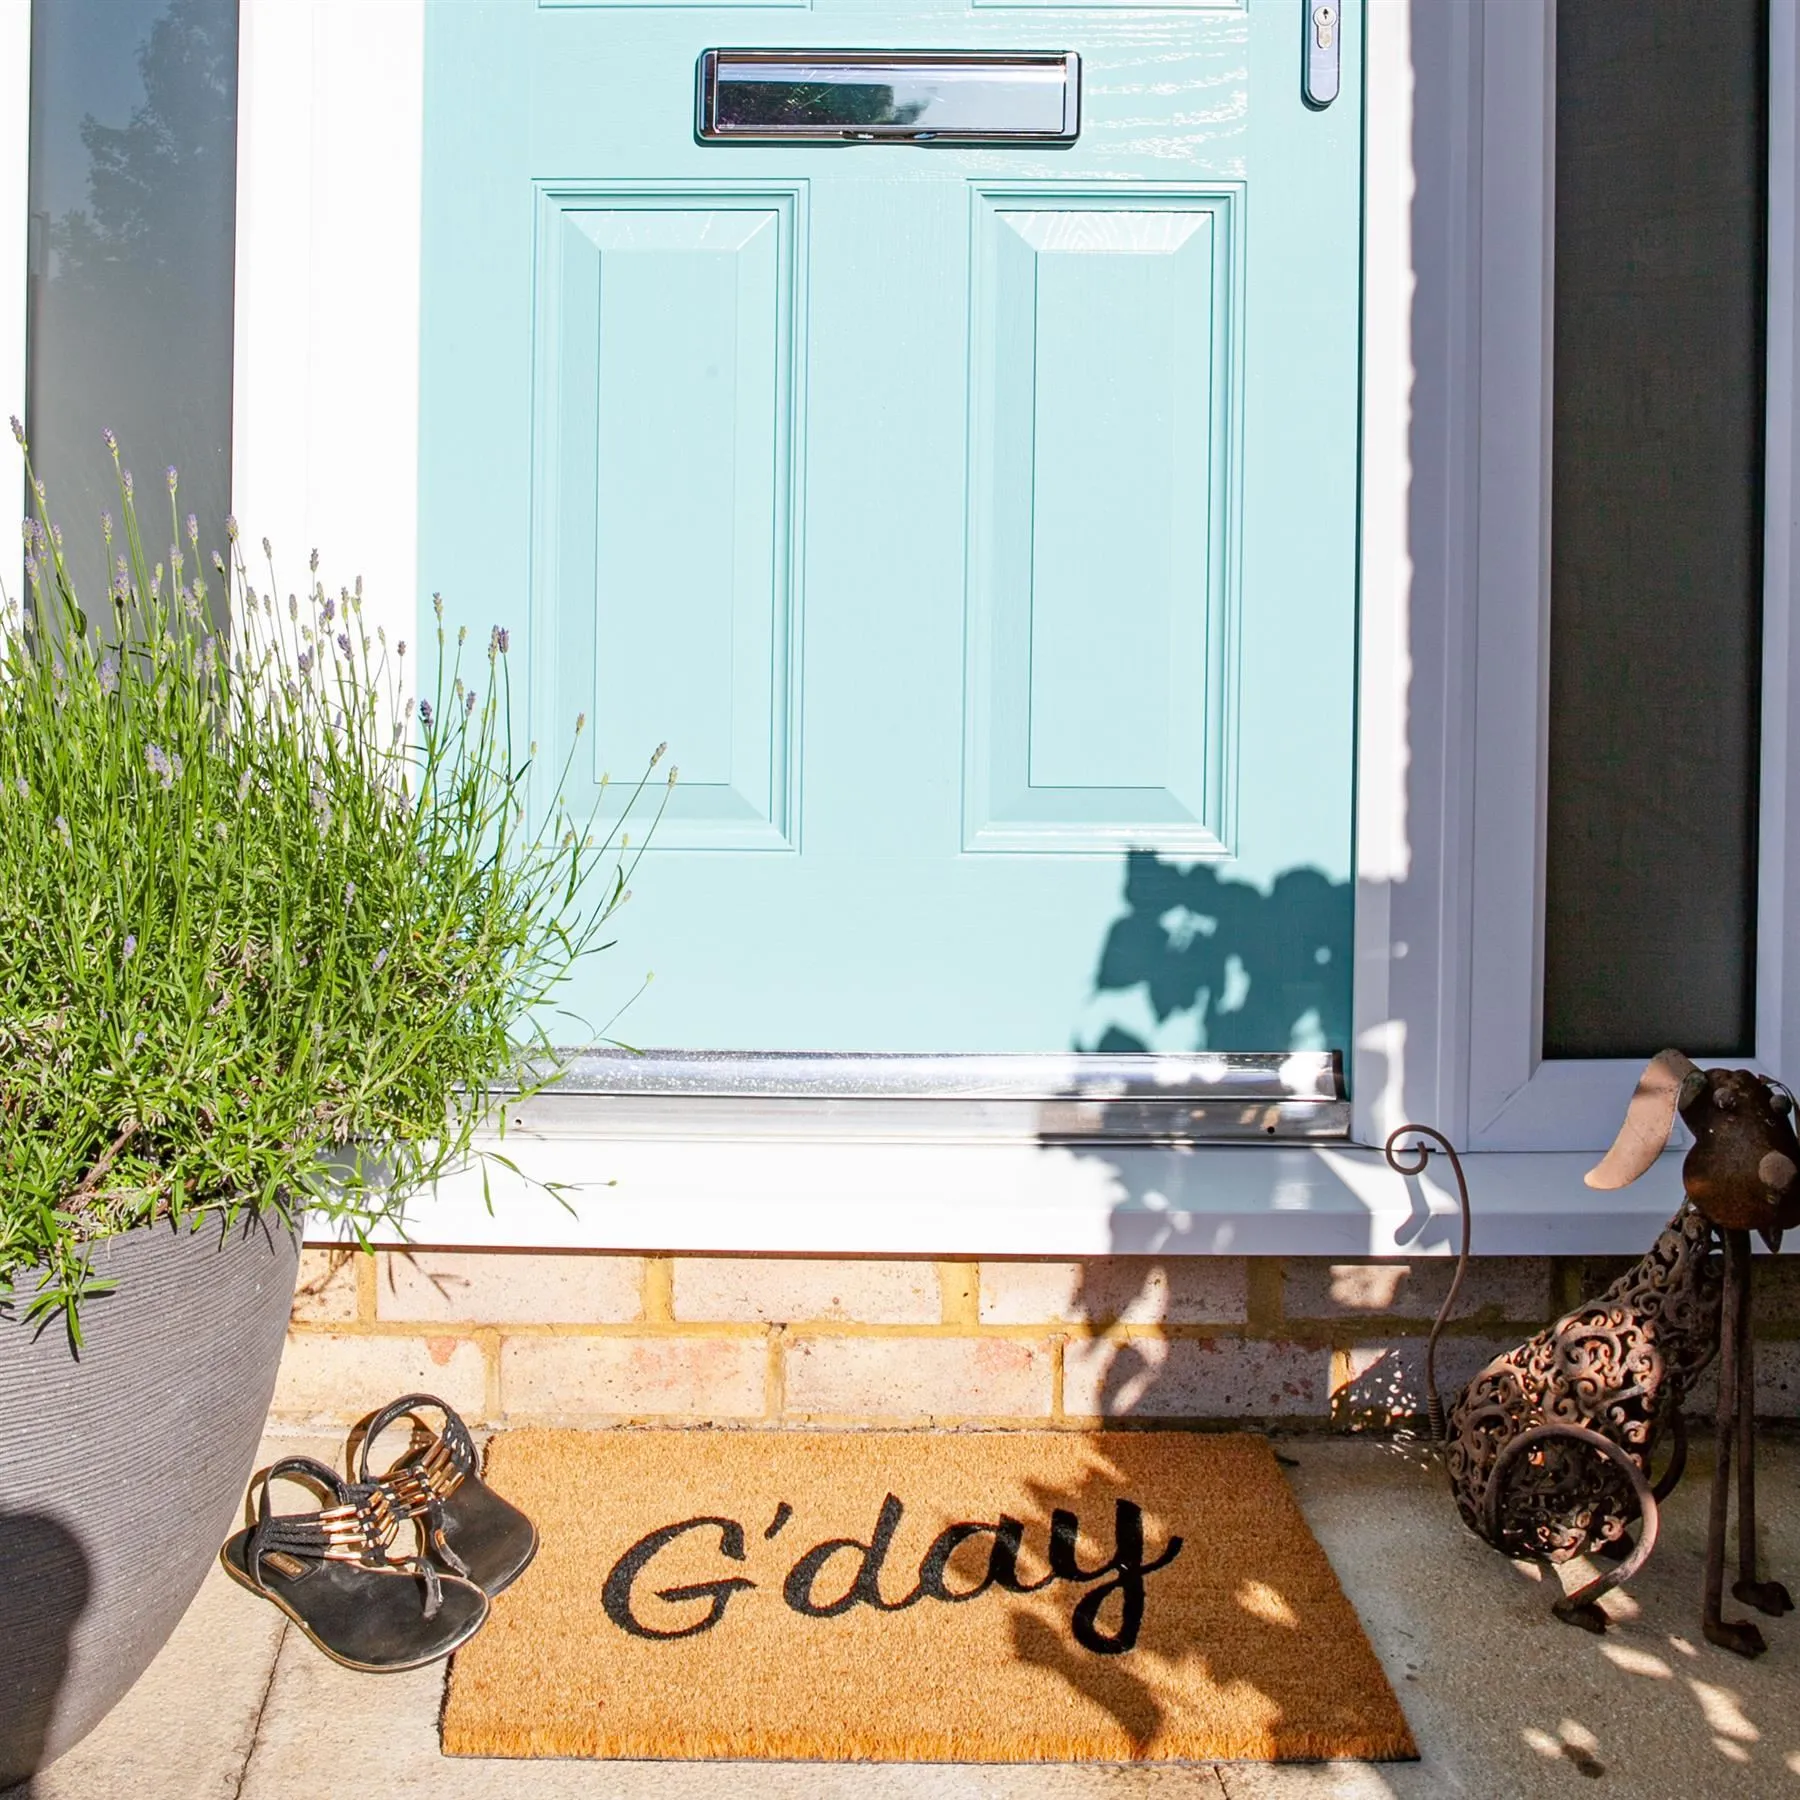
{"x": 1411, "y": 1160}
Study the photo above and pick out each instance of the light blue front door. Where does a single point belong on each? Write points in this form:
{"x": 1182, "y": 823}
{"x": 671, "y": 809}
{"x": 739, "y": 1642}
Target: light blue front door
{"x": 976, "y": 524}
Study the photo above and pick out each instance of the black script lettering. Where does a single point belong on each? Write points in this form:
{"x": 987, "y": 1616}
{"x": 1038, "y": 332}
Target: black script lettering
{"x": 865, "y": 1590}
{"x": 1128, "y": 1562}
{"x": 615, "y": 1596}
{"x": 1002, "y": 1568}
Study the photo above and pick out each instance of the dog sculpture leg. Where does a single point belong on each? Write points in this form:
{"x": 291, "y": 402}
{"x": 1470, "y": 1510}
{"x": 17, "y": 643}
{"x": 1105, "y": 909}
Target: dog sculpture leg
{"x": 1738, "y": 1635}
{"x": 1765, "y": 1596}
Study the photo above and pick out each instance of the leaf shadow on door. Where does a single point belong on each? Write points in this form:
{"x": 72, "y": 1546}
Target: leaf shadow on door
{"x": 1199, "y": 961}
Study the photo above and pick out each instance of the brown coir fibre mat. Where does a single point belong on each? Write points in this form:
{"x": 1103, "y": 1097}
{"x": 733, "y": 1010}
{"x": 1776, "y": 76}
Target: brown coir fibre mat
{"x": 968, "y": 1597}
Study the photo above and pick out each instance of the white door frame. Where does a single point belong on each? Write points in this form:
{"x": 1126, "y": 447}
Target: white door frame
{"x": 1457, "y": 548}
{"x": 1454, "y": 604}
{"x": 325, "y": 397}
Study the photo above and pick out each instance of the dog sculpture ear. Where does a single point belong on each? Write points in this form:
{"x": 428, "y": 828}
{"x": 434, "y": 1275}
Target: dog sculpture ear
{"x": 1669, "y": 1081}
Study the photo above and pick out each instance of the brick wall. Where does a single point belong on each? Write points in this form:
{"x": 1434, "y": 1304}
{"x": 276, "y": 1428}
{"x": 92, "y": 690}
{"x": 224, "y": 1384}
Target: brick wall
{"x": 598, "y": 1338}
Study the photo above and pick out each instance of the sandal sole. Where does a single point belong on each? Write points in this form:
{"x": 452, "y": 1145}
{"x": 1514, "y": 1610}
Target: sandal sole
{"x": 241, "y": 1575}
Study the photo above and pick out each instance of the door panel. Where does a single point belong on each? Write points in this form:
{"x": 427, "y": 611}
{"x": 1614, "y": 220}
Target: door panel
{"x": 976, "y": 523}
{"x": 1100, "y": 514}
{"x": 666, "y": 393}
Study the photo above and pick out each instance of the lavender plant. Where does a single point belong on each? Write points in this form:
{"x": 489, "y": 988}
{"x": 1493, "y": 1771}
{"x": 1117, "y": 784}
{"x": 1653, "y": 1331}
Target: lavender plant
{"x": 267, "y": 940}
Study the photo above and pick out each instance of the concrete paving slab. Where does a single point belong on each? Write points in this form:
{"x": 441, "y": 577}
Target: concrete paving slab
{"x": 322, "y": 1736}
{"x": 185, "y": 1730}
{"x": 1507, "y": 1701}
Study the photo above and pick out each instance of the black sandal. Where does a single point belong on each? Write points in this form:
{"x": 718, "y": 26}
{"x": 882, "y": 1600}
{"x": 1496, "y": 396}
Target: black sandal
{"x": 468, "y": 1527}
{"x": 333, "y": 1572}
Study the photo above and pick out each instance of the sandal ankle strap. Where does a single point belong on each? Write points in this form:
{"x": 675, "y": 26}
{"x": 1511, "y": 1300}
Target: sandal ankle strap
{"x": 438, "y": 1469}
{"x": 421, "y": 1481}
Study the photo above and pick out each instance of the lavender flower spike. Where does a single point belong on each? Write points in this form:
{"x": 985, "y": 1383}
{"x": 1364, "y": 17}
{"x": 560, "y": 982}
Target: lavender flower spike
{"x": 159, "y": 763}
{"x": 129, "y": 947}
{"x": 425, "y": 714}
{"x": 112, "y": 443}
{"x": 18, "y": 429}
{"x": 170, "y": 472}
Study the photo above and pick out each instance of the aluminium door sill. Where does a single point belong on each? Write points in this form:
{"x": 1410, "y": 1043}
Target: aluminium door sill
{"x": 1225, "y": 1097}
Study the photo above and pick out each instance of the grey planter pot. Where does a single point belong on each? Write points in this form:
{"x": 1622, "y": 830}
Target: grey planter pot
{"x": 122, "y": 1472}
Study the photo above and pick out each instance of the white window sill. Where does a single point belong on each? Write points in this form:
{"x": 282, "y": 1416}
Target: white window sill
{"x": 911, "y": 1198}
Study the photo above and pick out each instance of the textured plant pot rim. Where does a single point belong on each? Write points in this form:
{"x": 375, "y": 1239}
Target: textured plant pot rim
{"x": 27, "y": 1283}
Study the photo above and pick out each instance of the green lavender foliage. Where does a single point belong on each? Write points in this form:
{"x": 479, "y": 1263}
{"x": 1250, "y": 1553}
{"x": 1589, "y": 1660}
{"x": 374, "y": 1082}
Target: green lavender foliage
{"x": 266, "y": 941}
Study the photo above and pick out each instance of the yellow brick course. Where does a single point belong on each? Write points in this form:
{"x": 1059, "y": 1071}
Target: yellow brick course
{"x": 1188, "y": 1377}
{"x": 779, "y": 1290}
{"x": 336, "y": 1376}
{"x": 326, "y": 1293}
{"x": 613, "y": 1377}
{"x": 876, "y": 1378}
{"x": 508, "y": 1288}
{"x": 791, "y": 1341}
{"x": 1137, "y": 1290}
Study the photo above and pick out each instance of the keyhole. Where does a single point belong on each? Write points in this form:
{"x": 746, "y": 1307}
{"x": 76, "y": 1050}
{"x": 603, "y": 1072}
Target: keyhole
{"x": 1324, "y": 20}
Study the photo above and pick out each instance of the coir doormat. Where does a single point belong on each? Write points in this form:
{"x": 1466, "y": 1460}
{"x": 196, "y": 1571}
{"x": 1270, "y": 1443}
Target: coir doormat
{"x": 978, "y": 1597}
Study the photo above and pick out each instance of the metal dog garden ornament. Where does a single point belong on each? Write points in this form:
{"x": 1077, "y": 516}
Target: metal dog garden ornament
{"x": 1550, "y": 1448}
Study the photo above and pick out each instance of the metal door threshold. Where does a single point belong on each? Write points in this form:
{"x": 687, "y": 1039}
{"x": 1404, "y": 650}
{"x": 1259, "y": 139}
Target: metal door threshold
{"x": 1228, "y": 1097}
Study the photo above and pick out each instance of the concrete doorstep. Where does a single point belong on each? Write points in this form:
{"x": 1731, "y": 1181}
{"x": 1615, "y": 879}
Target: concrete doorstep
{"x": 1503, "y": 1699}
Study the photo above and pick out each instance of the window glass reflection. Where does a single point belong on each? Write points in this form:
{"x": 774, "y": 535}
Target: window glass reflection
{"x": 133, "y": 195}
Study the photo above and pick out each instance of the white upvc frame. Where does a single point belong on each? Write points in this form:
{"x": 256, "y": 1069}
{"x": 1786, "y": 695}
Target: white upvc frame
{"x": 1421, "y": 323}
{"x": 325, "y": 392}
{"x": 1454, "y": 586}
{"x": 1466, "y": 1029}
